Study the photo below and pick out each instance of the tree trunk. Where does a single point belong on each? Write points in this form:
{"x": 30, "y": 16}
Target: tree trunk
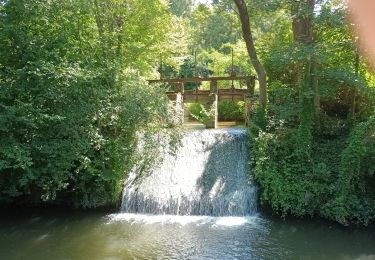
{"x": 302, "y": 27}
{"x": 303, "y": 13}
{"x": 248, "y": 37}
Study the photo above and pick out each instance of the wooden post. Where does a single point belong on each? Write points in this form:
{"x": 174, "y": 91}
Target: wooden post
{"x": 161, "y": 67}
{"x": 180, "y": 108}
{"x": 180, "y": 102}
{"x": 213, "y": 86}
{"x": 212, "y": 123}
{"x": 180, "y": 87}
{"x": 213, "y": 103}
{"x": 196, "y": 75}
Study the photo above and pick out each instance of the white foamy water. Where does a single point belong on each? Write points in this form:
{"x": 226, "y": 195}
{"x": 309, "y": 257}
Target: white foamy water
{"x": 209, "y": 176}
{"x": 132, "y": 218}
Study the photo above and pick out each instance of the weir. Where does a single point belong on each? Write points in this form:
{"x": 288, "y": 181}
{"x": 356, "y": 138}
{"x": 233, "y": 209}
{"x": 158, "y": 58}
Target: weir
{"x": 208, "y": 176}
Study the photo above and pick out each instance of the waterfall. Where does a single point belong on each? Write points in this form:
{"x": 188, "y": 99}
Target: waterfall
{"x": 209, "y": 175}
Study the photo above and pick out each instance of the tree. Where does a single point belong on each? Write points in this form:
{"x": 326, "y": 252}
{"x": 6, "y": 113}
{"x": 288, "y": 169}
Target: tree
{"x": 214, "y": 26}
{"x": 72, "y": 100}
{"x": 127, "y": 38}
{"x": 303, "y": 14}
{"x": 181, "y": 7}
{"x": 303, "y": 167}
{"x": 247, "y": 35}
{"x": 302, "y": 26}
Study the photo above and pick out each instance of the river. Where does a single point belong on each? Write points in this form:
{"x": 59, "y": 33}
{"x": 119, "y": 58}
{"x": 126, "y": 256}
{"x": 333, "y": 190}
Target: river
{"x": 198, "y": 204}
{"x": 64, "y": 234}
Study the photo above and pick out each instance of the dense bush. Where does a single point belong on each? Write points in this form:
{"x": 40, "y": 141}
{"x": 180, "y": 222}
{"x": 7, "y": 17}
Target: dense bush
{"x": 200, "y": 112}
{"x": 70, "y": 107}
{"x": 355, "y": 186}
{"x": 61, "y": 139}
{"x": 316, "y": 164}
{"x": 230, "y": 110}
{"x": 193, "y": 108}
{"x": 227, "y": 110}
{"x": 334, "y": 180}
{"x": 313, "y": 148}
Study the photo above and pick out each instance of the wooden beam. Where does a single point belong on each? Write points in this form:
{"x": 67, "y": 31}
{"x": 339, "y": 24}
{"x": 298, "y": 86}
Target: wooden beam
{"x": 195, "y": 79}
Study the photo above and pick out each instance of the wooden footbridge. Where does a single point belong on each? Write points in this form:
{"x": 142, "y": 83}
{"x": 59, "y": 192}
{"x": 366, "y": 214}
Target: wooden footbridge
{"x": 180, "y": 95}
{"x": 203, "y": 96}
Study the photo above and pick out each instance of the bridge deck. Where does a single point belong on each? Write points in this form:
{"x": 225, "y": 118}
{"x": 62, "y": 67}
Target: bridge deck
{"x": 203, "y": 96}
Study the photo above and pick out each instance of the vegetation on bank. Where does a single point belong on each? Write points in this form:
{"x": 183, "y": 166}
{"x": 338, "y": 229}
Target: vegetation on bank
{"x": 313, "y": 147}
{"x": 74, "y": 96}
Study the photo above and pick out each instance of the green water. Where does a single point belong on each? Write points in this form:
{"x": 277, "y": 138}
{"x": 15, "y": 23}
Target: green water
{"x": 60, "y": 234}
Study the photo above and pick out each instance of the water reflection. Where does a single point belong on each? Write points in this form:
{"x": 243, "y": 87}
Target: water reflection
{"x": 84, "y": 235}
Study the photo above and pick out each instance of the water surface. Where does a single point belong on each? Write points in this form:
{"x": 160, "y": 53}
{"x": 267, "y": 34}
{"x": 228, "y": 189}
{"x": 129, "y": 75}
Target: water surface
{"x": 59, "y": 234}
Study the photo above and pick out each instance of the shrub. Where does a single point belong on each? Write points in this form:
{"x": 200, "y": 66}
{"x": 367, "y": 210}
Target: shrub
{"x": 200, "y": 113}
{"x": 70, "y": 107}
{"x": 229, "y": 110}
{"x": 64, "y": 141}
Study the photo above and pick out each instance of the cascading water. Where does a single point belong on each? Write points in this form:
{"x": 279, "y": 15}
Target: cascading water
{"x": 209, "y": 176}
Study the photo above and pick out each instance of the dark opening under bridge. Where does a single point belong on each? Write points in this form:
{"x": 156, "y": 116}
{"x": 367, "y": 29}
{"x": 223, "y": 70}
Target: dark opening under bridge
{"x": 180, "y": 95}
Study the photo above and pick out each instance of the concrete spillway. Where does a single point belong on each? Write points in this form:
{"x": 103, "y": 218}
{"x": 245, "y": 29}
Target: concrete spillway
{"x": 209, "y": 175}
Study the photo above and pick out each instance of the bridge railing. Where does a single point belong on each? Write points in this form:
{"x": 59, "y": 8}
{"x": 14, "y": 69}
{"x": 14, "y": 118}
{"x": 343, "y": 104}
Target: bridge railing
{"x": 179, "y": 82}
{"x": 212, "y": 96}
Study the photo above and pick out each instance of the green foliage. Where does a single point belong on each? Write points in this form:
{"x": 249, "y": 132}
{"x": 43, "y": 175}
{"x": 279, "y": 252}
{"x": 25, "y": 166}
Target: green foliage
{"x": 189, "y": 70}
{"x": 193, "y": 108}
{"x": 313, "y": 151}
{"x": 181, "y": 7}
{"x": 177, "y": 47}
{"x": 211, "y": 31}
{"x": 70, "y": 107}
{"x": 229, "y": 110}
{"x": 354, "y": 192}
{"x": 201, "y": 113}
{"x": 303, "y": 170}
{"x": 213, "y": 27}
{"x": 220, "y": 62}
{"x": 73, "y": 101}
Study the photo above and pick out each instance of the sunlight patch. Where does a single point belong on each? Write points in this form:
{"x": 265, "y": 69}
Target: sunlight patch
{"x": 181, "y": 220}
